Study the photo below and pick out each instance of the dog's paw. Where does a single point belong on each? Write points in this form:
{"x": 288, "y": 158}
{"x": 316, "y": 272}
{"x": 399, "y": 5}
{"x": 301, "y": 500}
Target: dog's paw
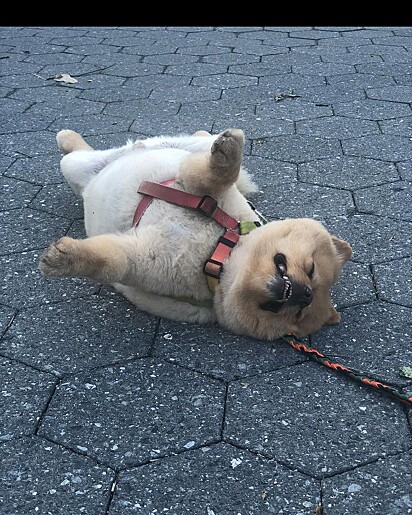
{"x": 59, "y": 258}
{"x": 227, "y": 149}
{"x": 68, "y": 141}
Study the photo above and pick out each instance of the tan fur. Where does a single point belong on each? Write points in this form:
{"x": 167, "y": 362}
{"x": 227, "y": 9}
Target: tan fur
{"x": 158, "y": 265}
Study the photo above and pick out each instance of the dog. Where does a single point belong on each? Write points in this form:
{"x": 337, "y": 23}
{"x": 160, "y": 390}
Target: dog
{"x": 272, "y": 281}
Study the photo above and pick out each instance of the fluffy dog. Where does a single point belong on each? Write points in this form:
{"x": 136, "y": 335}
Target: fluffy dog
{"x": 275, "y": 280}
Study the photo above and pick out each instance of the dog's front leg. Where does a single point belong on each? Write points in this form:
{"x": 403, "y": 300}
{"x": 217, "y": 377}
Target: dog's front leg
{"x": 107, "y": 258}
{"x": 211, "y": 173}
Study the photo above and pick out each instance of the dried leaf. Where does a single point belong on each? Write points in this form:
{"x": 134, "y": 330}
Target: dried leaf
{"x": 66, "y": 78}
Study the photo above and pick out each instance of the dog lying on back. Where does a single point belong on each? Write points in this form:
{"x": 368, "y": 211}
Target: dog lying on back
{"x": 274, "y": 280}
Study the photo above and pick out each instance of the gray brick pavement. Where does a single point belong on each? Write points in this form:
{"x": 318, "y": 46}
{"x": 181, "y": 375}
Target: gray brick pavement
{"x": 105, "y": 410}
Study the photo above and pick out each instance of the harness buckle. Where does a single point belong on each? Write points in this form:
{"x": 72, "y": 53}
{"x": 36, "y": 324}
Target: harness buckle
{"x": 207, "y": 205}
{"x": 212, "y": 268}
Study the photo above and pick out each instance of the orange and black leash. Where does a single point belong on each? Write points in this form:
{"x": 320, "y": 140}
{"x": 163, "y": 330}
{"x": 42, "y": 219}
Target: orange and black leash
{"x": 358, "y": 376}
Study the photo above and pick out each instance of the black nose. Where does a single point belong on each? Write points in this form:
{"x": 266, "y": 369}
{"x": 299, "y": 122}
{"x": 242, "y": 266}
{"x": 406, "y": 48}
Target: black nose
{"x": 307, "y": 296}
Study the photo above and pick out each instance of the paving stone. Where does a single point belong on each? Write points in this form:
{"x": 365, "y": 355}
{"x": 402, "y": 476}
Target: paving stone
{"x": 42, "y": 169}
{"x": 380, "y": 487}
{"x": 142, "y": 109}
{"x": 23, "y": 285}
{"x": 393, "y": 281}
{"x": 231, "y": 59}
{"x": 58, "y": 199}
{"x": 116, "y": 93}
{"x": 27, "y": 229}
{"x": 394, "y": 200}
{"x": 24, "y": 396}
{"x": 225, "y": 81}
{"x": 5, "y": 164}
{"x": 6, "y": 317}
{"x": 10, "y": 106}
{"x": 371, "y": 338}
{"x": 293, "y": 110}
{"x": 28, "y": 144}
{"x": 347, "y": 172}
{"x": 382, "y": 146}
{"x": 90, "y": 125}
{"x": 216, "y": 479}
{"x": 392, "y": 93}
{"x": 355, "y": 286}
{"x": 19, "y": 122}
{"x": 255, "y": 126}
{"x": 374, "y": 239}
{"x": 40, "y": 477}
{"x": 15, "y": 193}
{"x": 182, "y": 93}
{"x": 398, "y": 126}
{"x": 218, "y": 353}
{"x": 76, "y": 70}
{"x": 79, "y": 334}
{"x": 370, "y": 109}
{"x": 386, "y": 68}
{"x": 50, "y": 93}
{"x": 337, "y": 127}
{"x": 267, "y": 173}
{"x": 334, "y": 423}
{"x": 297, "y": 149}
{"x": 362, "y": 80}
{"x": 326, "y": 94}
{"x": 405, "y": 169}
{"x": 304, "y": 200}
{"x": 325, "y": 69}
{"x": 287, "y": 82}
{"x": 127, "y": 415}
{"x": 77, "y": 106}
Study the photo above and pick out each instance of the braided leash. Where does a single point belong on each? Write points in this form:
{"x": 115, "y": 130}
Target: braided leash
{"x": 358, "y": 376}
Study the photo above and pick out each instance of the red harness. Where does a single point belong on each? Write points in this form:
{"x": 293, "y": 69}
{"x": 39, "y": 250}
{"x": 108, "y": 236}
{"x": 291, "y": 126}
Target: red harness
{"x": 207, "y": 206}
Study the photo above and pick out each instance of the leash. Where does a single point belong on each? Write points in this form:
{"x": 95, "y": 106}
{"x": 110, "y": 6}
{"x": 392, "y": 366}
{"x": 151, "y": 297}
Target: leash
{"x": 356, "y": 375}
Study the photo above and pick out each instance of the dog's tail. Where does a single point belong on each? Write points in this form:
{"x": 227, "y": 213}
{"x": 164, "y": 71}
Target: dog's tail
{"x": 245, "y": 183}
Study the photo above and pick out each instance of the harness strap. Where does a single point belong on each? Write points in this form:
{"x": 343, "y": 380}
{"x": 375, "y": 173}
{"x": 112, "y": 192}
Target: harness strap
{"x": 206, "y": 205}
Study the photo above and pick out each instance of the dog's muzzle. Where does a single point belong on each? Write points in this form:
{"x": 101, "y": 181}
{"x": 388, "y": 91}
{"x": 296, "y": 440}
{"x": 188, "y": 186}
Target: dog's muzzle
{"x": 286, "y": 292}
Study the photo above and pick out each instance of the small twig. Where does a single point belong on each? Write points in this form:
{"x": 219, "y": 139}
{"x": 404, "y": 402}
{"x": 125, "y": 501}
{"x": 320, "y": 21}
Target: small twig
{"x": 282, "y": 96}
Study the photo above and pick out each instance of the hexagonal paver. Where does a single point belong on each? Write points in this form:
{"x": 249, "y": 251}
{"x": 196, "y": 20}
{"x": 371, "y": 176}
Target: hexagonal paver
{"x": 129, "y": 414}
{"x": 391, "y": 93}
{"x": 27, "y": 143}
{"x": 337, "y": 127}
{"x": 27, "y": 229}
{"x": 355, "y": 286}
{"x": 37, "y": 476}
{"x": 78, "y": 334}
{"x": 394, "y": 281}
{"x": 347, "y": 172}
{"x": 372, "y": 338}
{"x": 293, "y": 110}
{"x": 370, "y": 109}
{"x": 385, "y": 147}
{"x": 15, "y": 193}
{"x": 23, "y": 285}
{"x": 393, "y": 200}
{"x": 23, "y": 398}
{"x": 214, "y": 480}
{"x": 333, "y": 423}
{"x": 59, "y": 199}
{"x": 374, "y": 239}
{"x": 398, "y": 126}
{"x": 297, "y": 149}
{"x": 304, "y": 200}
{"x": 380, "y": 487}
{"x": 405, "y": 169}
{"x": 216, "y": 352}
{"x": 43, "y": 169}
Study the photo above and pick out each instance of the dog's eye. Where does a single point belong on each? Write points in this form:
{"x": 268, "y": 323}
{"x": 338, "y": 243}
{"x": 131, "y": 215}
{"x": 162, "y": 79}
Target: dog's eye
{"x": 280, "y": 262}
{"x": 311, "y": 271}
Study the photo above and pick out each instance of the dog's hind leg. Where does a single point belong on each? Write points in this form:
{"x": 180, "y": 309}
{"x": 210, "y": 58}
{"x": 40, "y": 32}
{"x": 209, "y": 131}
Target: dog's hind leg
{"x": 81, "y": 162}
{"x": 211, "y": 173}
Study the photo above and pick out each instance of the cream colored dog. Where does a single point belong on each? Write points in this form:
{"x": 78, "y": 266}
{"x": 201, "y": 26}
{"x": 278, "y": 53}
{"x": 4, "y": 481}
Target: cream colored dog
{"x": 276, "y": 279}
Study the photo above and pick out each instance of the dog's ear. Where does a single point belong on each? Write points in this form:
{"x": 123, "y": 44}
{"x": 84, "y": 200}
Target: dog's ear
{"x": 343, "y": 248}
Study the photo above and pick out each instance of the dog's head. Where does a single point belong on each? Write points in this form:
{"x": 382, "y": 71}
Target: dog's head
{"x": 279, "y": 279}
